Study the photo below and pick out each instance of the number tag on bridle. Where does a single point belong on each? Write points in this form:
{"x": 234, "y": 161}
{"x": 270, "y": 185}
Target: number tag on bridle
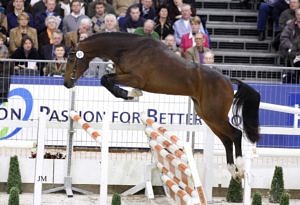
{"x": 79, "y": 54}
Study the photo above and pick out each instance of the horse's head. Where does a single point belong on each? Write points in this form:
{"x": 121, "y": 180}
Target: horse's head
{"x": 77, "y": 63}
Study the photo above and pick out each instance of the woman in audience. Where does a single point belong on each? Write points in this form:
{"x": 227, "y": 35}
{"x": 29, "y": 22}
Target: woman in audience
{"x": 163, "y": 24}
{"x": 23, "y": 29}
{"x": 174, "y": 8}
{"x": 187, "y": 40}
{"x": 58, "y": 68}
{"x": 45, "y": 37}
{"x": 28, "y": 52}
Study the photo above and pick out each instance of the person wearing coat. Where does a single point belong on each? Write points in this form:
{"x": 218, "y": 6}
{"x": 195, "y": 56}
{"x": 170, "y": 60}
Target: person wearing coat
{"x": 23, "y": 29}
{"x": 27, "y": 52}
{"x": 196, "y": 53}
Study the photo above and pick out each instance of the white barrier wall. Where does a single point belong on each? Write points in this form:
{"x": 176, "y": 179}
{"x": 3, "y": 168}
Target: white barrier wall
{"x": 128, "y": 172}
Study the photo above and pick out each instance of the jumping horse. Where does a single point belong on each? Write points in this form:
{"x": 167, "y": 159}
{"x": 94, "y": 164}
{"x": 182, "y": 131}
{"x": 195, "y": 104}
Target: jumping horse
{"x": 148, "y": 65}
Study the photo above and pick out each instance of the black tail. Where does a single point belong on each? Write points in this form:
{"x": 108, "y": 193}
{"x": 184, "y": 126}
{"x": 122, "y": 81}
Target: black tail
{"x": 249, "y": 99}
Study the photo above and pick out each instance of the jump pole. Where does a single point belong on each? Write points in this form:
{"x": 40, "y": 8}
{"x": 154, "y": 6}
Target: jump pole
{"x": 103, "y": 142}
{"x": 175, "y": 161}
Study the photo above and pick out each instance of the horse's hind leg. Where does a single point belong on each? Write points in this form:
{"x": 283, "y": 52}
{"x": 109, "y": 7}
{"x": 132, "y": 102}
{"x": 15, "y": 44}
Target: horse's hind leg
{"x": 238, "y": 153}
{"x": 228, "y": 144}
{"x": 108, "y": 81}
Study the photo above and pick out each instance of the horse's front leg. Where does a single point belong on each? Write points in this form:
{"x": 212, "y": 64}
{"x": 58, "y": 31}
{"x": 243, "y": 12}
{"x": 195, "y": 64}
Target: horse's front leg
{"x": 109, "y": 82}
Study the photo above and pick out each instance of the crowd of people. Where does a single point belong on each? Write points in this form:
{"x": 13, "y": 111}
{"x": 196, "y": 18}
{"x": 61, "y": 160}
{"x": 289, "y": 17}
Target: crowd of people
{"x": 47, "y": 29}
{"x": 285, "y": 15}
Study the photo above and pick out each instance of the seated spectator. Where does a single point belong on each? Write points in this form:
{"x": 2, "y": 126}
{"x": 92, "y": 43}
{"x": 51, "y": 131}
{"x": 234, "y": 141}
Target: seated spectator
{"x": 40, "y": 17}
{"x": 10, "y": 7}
{"x": 47, "y": 51}
{"x": 208, "y": 57}
{"x": 5, "y": 72}
{"x": 16, "y": 34}
{"x": 41, "y": 6}
{"x": 196, "y": 53}
{"x": 158, "y": 3}
{"x": 182, "y": 26}
{"x": 66, "y": 7}
{"x": 163, "y": 24}
{"x": 293, "y": 76}
{"x": 71, "y": 22}
{"x": 131, "y": 21}
{"x": 289, "y": 14}
{"x": 110, "y": 23}
{"x": 72, "y": 38}
{"x": 187, "y": 40}
{"x": 3, "y": 47}
{"x": 289, "y": 35}
{"x": 170, "y": 41}
{"x": 147, "y": 30}
{"x": 58, "y": 68}
{"x": 98, "y": 18}
{"x": 28, "y": 52}
{"x": 147, "y": 10}
{"x": 121, "y": 6}
{"x": 108, "y": 8}
{"x": 45, "y": 37}
{"x": 97, "y": 68}
{"x": 12, "y": 17}
{"x": 269, "y": 8}
{"x": 285, "y": 17}
{"x": 174, "y": 8}
{"x": 3, "y": 24}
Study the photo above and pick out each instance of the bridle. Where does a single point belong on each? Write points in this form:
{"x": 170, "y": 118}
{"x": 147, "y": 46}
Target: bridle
{"x": 74, "y": 56}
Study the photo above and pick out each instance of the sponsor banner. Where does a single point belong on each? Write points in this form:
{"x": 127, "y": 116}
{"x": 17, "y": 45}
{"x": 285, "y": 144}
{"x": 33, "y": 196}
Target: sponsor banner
{"x": 30, "y": 96}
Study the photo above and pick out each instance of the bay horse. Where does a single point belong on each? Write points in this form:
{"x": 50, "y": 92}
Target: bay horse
{"x": 146, "y": 64}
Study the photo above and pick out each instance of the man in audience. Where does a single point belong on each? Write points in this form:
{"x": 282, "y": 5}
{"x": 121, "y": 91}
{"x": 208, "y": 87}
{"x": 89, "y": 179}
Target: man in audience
{"x": 170, "y": 41}
{"x": 71, "y": 22}
{"x": 133, "y": 20}
{"x": 182, "y": 26}
{"x": 98, "y": 18}
{"x": 72, "y": 37}
{"x": 40, "y": 6}
{"x": 146, "y": 9}
{"x": 269, "y": 8}
{"x": 147, "y": 30}
{"x": 47, "y": 51}
{"x": 108, "y": 8}
{"x": 289, "y": 35}
{"x": 196, "y": 53}
{"x": 40, "y": 17}
{"x": 208, "y": 57}
{"x": 285, "y": 17}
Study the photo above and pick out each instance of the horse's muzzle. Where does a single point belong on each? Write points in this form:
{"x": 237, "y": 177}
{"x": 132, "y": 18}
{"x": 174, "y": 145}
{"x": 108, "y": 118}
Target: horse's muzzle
{"x": 69, "y": 84}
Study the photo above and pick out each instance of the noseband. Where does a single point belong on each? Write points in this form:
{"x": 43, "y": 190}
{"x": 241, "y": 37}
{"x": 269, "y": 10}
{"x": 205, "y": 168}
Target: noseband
{"x": 78, "y": 55}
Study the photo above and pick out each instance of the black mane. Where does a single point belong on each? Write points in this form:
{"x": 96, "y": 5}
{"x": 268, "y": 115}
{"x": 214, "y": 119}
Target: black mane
{"x": 112, "y": 35}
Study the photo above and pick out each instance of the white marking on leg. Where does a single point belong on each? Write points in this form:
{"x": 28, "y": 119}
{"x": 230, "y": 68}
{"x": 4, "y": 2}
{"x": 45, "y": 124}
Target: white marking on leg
{"x": 232, "y": 169}
{"x": 135, "y": 93}
{"x": 240, "y": 165}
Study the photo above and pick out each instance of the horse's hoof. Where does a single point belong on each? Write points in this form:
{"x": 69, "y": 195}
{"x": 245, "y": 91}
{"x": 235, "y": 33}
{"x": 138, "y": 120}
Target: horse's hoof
{"x": 135, "y": 93}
